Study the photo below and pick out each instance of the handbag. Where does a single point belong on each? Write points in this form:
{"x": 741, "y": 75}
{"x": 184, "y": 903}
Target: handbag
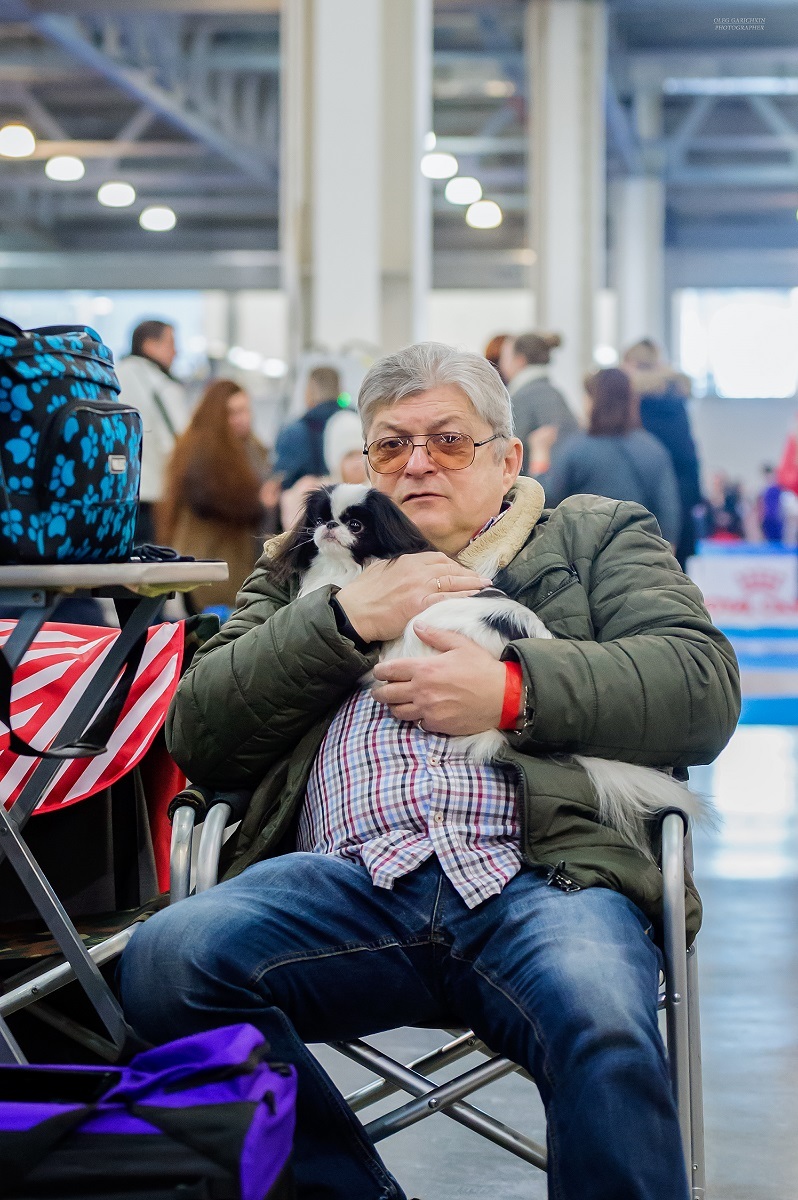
{"x": 206, "y": 1117}
{"x": 70, "y": 451}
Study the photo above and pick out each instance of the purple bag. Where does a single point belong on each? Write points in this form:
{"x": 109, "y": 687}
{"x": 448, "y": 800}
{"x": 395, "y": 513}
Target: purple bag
{"x": 202, "y": 1118}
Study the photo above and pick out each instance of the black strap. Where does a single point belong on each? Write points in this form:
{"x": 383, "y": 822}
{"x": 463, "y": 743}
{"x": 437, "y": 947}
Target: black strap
{"x": 167, "y": 420}
{"x": 94, "y": 740}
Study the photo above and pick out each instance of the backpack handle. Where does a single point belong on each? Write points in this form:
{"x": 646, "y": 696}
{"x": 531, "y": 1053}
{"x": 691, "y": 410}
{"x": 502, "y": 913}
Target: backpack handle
{"x": 7, "y": 326}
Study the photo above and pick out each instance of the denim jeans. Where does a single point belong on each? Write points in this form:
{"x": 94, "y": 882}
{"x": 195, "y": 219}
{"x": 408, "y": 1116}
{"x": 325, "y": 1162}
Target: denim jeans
{"x": 308, "y": 950}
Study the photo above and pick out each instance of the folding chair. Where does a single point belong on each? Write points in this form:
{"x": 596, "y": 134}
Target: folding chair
{"x": 678, "y": 997}
{"x": 78, "y": 729}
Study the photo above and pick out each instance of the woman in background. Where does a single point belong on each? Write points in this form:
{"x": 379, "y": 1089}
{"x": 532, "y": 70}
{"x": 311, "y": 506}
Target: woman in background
{"x": 219, "y": 501}
{"x": 614, "y": 457}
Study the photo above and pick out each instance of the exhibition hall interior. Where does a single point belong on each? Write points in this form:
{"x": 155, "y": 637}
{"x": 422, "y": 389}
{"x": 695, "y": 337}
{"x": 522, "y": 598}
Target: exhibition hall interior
{"x": 232, "y": 210}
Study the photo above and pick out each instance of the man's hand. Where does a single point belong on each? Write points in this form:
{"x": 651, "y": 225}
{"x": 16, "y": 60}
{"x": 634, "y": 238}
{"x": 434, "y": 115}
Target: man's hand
{"x": 382, "y": 599}
{"x": 460, "y": 691}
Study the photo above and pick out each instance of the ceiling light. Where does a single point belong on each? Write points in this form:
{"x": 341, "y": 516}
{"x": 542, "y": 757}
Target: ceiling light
{"x": 158, "y": 219}
{"x": 116, "y": 195}
{"x": 429, "y": 141}
{"x": 463, "y": 189}
{"x": 246, "y": 360}
{"x": 485, "y": 214}
{"x": 732, "y": 85}
{"x": 102, "y": 306}
{"x": 498, "y": 88}
{"x": 605, "y": 356}
{"x": 65, "y": 168}
{"x": 274, "y": 368}
{"x": 438, "y": 165}
{"x": 16, "y": 141}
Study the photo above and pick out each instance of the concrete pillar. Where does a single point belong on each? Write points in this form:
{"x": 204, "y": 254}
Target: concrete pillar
{"x": 638, "y": 237}
{"x": 567, "y": 42}
{"x": 356, "y": 211}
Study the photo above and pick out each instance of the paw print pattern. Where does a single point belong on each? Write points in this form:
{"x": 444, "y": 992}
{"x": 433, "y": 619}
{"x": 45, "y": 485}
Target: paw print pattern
{"x": 11, "y": 524}
{"x": 17, "y": 484}
{"x": 23, "y": 447}
{"x": 63, "y": 476}
{"x": 55, "y": 403}
{"x": 14, "y": 400}
{"x": 90, "y": 446}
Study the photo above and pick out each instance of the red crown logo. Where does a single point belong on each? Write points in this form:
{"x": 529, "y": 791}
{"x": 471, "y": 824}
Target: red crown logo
{"x": 761, "y": 581}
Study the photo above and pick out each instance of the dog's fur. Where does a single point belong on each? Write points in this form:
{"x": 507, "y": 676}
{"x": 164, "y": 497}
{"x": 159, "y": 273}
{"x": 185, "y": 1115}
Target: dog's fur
{"x": 347, "y": 526}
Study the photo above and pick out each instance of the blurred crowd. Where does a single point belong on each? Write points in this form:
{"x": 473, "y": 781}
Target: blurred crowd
{"x": 211, "y": 489}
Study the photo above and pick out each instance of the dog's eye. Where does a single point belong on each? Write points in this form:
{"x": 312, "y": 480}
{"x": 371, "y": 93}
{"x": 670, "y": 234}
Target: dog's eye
{"x": 355, "y": 526}
{"x": 319, "y": 521}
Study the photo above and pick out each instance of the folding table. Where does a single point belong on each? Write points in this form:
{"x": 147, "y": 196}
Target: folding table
{"x": 139, "y": 590}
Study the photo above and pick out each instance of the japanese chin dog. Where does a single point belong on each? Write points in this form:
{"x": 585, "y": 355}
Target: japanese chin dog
{"x": 346, "y": 527}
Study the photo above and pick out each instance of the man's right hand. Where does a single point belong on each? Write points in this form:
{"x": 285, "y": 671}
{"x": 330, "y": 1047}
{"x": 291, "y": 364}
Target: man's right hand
{"x": 382, "y": 599}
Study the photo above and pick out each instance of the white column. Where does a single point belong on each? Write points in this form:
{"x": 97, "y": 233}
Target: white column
{"x": 356, "y": 210}
{"x": 638, "y": 237}
{"x": 568, "y": 50}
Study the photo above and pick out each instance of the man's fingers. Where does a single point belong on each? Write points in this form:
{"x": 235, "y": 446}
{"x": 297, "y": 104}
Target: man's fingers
{"x": 456, "y": 582}
{"x": 440, "y": 639}
{"x": 393, "y": 693}
{"x": 436, "y": 597}
{"x": 398, "y": 670}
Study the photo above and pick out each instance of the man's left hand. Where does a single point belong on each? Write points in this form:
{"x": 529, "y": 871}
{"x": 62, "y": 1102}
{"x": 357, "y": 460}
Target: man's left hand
{"x": 458, "y": 692}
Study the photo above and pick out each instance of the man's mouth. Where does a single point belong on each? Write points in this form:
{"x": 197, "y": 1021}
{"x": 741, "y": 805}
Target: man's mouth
{"x": 421, "y": 496}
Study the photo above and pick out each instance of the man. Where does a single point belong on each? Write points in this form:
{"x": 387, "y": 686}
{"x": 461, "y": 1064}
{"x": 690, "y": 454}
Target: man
{"x": 300, "y": 445}
{"x": 537, "y": 404}
{"x": 147, "y": 383}
{"x": 415, "y": 887}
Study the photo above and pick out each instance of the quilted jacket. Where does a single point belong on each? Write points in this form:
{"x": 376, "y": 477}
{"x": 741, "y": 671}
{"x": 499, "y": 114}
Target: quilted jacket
{"x": 636, "y": 672}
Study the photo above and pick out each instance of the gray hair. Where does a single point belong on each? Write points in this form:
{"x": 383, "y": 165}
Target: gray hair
{"x": 428, "y": 365}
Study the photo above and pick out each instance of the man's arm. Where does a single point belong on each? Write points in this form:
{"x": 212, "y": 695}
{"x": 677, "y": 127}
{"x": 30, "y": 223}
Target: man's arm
{"x": 660, "y": 684}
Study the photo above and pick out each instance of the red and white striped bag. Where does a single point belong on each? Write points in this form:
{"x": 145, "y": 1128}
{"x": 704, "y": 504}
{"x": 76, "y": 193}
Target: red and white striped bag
{"x": 55, "y": 671}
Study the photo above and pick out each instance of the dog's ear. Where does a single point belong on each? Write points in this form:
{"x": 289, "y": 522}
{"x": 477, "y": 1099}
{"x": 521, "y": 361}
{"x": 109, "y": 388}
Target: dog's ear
{"x": 298, "y": 549}
{"x": 393, "y": 532}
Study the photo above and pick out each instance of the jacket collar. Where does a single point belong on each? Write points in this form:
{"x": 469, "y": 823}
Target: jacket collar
{"x": 494, "y": 549}
{"x": 531, "y": 373}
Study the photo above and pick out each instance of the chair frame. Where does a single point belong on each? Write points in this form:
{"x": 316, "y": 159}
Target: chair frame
{"x": 678, "y": 997}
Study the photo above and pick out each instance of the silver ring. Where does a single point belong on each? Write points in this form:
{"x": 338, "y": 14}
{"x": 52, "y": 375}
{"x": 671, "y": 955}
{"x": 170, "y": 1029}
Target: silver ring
{"x": 438, "y": 584}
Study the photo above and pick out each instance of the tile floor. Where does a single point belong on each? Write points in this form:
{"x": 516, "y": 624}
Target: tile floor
{"x": 748, "y": 952}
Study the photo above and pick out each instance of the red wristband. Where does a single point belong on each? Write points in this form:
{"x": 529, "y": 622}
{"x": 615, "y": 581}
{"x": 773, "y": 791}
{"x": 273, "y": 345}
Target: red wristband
{"x": 513, "y": 687}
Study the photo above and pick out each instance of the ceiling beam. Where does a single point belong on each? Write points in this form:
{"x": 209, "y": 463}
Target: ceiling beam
{"x": 136, "y": 82}
{"x": 110, "y": 149}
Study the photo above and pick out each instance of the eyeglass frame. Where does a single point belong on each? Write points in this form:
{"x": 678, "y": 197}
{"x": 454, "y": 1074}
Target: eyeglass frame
{"x": 425, "y": 444}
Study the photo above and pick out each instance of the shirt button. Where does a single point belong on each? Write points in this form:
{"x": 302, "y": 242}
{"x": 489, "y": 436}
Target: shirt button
{"x": 433, "y": 760}
{"x": 438, "y": 818}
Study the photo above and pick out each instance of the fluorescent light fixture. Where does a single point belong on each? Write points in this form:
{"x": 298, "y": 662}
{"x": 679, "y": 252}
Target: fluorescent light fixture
{"x": 498, "y": 88}
{"x": 115, "y": 194}
{"x": 16, "y": 141}
{"x": 485, "y": 214}
{"x": 158, "y": 218}
{"x": 605, "y": 356}
{"x": 102, "y": 306}
{"x": 463, "y": 189}
{"x": 733, "y": 85}
{"x": 429, "y": 142}
{"x": 438, "y": 166}
{"x": 246, "y": 360}
{"x": 274, "y": 368}
{"x": 65, "y": 168}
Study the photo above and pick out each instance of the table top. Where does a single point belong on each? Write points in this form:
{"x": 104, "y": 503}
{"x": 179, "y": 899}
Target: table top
{"x": 58, "y": 577}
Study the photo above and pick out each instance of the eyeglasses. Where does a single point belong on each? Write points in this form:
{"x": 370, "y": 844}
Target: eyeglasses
{"x": 454, "y": 451}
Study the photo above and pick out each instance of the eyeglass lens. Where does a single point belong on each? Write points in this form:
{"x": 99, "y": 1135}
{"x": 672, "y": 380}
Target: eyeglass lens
{"x": 452, "y": 450}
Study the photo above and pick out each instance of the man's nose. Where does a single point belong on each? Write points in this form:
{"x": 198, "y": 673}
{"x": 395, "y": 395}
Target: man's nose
{"x": 420, "y": 459}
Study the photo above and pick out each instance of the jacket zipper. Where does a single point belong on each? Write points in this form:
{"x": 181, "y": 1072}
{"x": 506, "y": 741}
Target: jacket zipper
{"x": 573, "y": 577}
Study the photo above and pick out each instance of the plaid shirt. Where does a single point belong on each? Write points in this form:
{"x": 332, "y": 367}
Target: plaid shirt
{"x": 391, "y": 795}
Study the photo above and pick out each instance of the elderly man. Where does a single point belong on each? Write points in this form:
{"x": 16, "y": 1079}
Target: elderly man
{"x": 378, "y": 879}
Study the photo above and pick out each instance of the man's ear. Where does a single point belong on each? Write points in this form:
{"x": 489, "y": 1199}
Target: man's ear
{"x": 513, "y": 458}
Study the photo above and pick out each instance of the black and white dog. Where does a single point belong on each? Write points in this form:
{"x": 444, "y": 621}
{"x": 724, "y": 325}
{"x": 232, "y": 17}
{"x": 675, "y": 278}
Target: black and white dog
{"x": 347, "y": 526}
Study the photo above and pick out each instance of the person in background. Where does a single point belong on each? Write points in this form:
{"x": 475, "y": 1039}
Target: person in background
{"x": 493, "y": 351}
{"x": 662, "y": 394}
{"x": 147, "y": 383}
{"x": 726, "y": 516}
{"x": 300, "y": 445}
{"x": 614, "y": 457}
{"x": 770, "y": 507}
{"x": 219, "y": 500}
{"x": 343, "y": 448}
{"x": 524, "y": 366}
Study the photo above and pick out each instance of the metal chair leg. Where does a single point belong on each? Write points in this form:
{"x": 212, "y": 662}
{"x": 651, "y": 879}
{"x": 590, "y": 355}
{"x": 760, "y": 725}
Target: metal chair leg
{"x": 180, "y": 854}
{"x": 675, "y": 948}
{"x": 697, "y": 1172}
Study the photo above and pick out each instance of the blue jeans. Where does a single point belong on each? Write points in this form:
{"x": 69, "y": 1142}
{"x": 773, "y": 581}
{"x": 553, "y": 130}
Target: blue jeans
{"x": 308, "y": 950}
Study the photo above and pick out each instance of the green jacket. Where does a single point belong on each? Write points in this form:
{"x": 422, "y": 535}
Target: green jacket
{"x": 636, "y": 672}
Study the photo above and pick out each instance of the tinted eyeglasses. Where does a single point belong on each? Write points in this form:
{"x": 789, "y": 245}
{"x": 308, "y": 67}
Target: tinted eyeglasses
{"x": 454, "y": 451}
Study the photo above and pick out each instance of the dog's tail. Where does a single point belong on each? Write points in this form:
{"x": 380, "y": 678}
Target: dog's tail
{"x": 629, "y": 796}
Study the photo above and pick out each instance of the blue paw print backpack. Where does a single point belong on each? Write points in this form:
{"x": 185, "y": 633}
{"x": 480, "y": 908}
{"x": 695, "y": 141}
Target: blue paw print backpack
{"x": 70, "y": 452}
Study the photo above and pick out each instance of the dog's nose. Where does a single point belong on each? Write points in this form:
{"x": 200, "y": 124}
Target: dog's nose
{"x": 332, "y": 524}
